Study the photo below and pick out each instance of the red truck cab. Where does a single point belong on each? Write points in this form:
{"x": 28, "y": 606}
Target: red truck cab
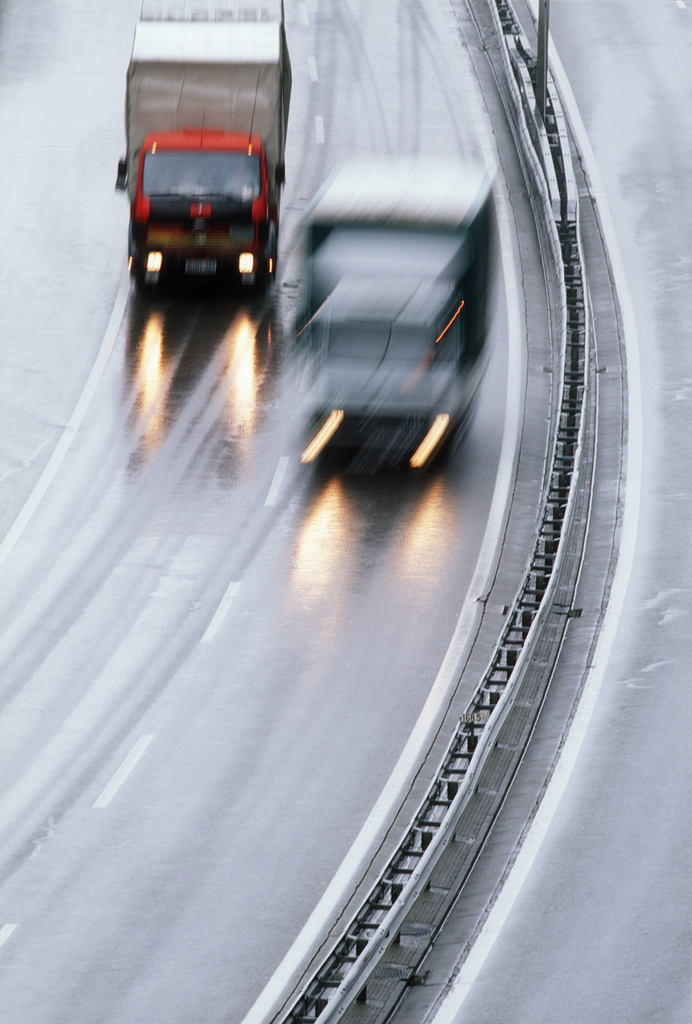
{"x": 203, "y": 207}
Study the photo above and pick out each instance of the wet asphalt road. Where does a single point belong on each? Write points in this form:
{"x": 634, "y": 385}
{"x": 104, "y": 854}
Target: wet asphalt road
{"x": 211, "y": 657}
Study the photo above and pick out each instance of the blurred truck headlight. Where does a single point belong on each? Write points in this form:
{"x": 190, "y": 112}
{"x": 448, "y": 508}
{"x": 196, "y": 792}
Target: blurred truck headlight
{"x": 154, "y": 261}
{"x": 430, "y": 441}
{"x": 323, "y": 435}
{"x": 246, "y": 263}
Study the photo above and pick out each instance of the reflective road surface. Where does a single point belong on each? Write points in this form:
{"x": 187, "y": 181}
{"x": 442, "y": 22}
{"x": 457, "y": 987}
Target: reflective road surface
{"x": 211, "y": 656}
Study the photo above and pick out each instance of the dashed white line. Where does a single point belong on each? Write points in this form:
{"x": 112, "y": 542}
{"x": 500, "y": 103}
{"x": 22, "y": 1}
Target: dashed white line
{"x": 220, "y": 613}
{"x": 319, "y": 130}
{"x": 5, "y": 932}
{"x": 124, "y": 770}
{"x": 681, "y": 4}
{"x": 304, "y": 16}
{"x": 276, "y": 482}
{"x": 312, "y": 67}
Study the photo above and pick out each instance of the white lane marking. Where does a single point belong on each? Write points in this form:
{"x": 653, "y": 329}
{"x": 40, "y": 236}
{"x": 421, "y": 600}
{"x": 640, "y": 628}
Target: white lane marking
{"x": 625, "y": 560}
{"x": 124, "y": 770}
{"x": 70, "y": 430}
{"x": 681, "y": 4}
{"x": 220, "y": 613}
{"x": 304, "y": 17}
{"x": 319, "y": 130}
{"x": 5, "y": 932}
{"x": 277, "y": 481}
{"x": 312, "y": 66}
{"x": 347, "y": 874}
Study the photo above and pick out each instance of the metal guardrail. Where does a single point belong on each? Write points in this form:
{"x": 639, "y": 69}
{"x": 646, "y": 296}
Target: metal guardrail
{"x": 534, "y": 123}
{"x": 380, "y": 922}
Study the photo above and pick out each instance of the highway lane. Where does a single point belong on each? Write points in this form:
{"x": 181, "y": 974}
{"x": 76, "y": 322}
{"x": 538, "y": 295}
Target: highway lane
{"x": 594, "y": 922}
{"x": 211, "y": 658}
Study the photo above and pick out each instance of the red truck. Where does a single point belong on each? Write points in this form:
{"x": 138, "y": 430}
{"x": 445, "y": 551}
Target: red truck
{"x": 206, "y": 116}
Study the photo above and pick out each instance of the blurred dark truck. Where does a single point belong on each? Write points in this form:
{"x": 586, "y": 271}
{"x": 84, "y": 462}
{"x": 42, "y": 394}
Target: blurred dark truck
{"x": 399, "y": 260}
{"x": 206, "y": 112}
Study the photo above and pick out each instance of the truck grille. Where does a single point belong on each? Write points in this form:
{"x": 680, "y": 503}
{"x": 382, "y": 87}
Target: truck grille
{"x": 230, "y": 238}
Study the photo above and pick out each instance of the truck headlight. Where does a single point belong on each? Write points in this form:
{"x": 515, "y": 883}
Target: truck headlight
{"x": 246, "y": 263}
{"x": 323, "y": 435}
{"x": 430, "y": 441}
{"x": 154, "y": 261}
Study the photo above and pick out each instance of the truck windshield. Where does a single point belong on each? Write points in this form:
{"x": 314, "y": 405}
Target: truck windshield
{"x": 199, "y": 173}
{"x": 416, "y": 343}
{"x": 358, "y": 340}
{"x": 363, "y": 340}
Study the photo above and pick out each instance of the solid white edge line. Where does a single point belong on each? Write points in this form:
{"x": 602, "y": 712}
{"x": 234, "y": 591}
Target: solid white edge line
{"x": 70, "y": 430}
{"x": 5, "y": 932}
{"x": 123, "y": 771}
{"x": 480, "y": 952}
{"x": 277, "y": 481}
{"x": 346, "y": 875}
{"x": 220, "y": 613}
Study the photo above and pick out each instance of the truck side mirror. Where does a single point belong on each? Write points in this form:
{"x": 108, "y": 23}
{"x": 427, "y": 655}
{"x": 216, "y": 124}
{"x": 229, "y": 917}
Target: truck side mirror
{"x": 280, "y": 173}
{"x": 121, "y": 180}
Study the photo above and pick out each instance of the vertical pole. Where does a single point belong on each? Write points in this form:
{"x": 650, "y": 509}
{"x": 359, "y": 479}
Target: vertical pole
{"x": 542, "y": 62}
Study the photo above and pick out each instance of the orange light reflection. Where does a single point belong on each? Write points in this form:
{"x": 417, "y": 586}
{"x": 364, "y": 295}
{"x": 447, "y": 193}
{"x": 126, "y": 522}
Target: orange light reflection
{"x": 321, "y": 552}
{"x": 426, "y": 537}
{"x": 151, "y": 384}
{"x": 243, "y": 376}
